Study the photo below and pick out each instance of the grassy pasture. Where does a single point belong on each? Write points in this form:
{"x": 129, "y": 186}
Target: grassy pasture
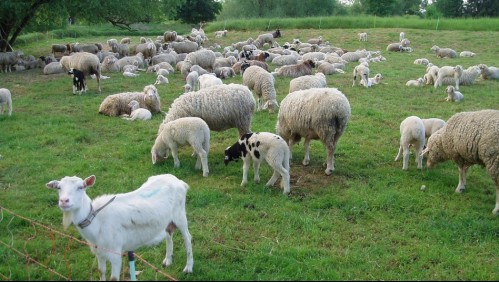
{"x": 369, "y": 220}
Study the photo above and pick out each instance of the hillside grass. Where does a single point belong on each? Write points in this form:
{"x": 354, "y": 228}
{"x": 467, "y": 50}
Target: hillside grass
{"x": 369, "y": 220}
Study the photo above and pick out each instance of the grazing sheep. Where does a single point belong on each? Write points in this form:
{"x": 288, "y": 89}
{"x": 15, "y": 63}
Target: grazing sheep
{"x": 316, "y": 113}
{"x": 117, "y": 104}
{"x": 187, "y": 130}
{"x": 86, "y": 62}
{"x": 53, "y": 68}
{"x": 362, "y": 36}
{"x": 443, "y": 52}
{"x": 412, "y": 132}
{"x": 294, "y": 71}
{"x": 489, "y": 72}
{"x": 79, "y": 83}
{"x": 160, "y": 79}
{"x": 317, "y": 80}
{"x": 204, "y": 58}
{"x": 114, "y": 224}
{"x": 453, "y": 95}
{"x": 431, "y": 125}
{"x": 468, "y": 138}
{"x": 468, "y": 77}
{"x": 221, "y": 33}
{"x": 417, "y": 82}
{"x": 361, "y": 72}
{"x": 262, "y": 146}
{"x": 224, "y": 72}
{"x": 223, "y": 107}
{"x": 262, "y": 83}
{"x": 5, "y": 100}
{"x": 198, "y": 69}
{"x": 317, "y": 41}
{"x": 467, "y": 54}
{"x": 137, "y": 113}
{"x": 448, "y": 71}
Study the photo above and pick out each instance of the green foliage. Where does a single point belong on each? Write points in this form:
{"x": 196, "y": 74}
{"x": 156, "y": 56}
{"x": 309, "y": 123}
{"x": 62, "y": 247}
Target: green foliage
{"x": 432, "y": 12}
{"x": 197, "y": 11}
{"x": 450, "y": 8}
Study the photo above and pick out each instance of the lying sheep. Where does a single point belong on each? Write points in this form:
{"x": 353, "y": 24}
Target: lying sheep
{"x": 415, "y": 82}
{"x": 126, "y": 221}
{"x": 160, "y": 79}
{"x": 262, "y": 83}
{"x": 372, "y": 80}
{"x": 262, "y": 146}
{"x": 316, "y": 113}
{"x": 5, "y": 100}
{"x": 468, "y": 77}
{"x": 448, "y": 71}
{"x": 53, "y": 68}
{"x": 285, "y": 60}
{"x": 137, "y": 113}
{"x": 117, "y": 104}
{"x": 468, "y": 138}
{"x": 453, "y": 95}
{"x": 224, "y": 107}
{"x": 355, "y": 56}
{"x": 443, "y": 52}
{"x": 187, "y": 130}
{"x": 9, "y": 59}
{"x": 489, "y": 72}
{"x": 86, "y": 62}
{"x": 412, "y": 132}
{"x": 294, "y": 71}
{"x": 467, "y": 54}
{"x": 327, "y": 68}
{"x": 422, "y": 61}
{"x": 224, "y": 72}
{"x": 308, "y": 81}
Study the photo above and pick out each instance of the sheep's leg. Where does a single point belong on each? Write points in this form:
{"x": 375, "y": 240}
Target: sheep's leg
{"x": 331, "y": 148}
{"x": 246, "y": 163}
{"x": 496, "y": 209}
{"x": 176, "y": 161}
{"x": 306, "y": 147}
{"x": 419, "y": 155}
{"x": 203, "y": 160}
{"x": 406, "y": 152}
{"x": 463, "y": 170}
{"x": 399, "y": 154}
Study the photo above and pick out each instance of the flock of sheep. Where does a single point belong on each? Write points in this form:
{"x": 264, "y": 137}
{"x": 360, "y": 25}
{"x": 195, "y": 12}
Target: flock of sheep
{"x": 311, "y": 110}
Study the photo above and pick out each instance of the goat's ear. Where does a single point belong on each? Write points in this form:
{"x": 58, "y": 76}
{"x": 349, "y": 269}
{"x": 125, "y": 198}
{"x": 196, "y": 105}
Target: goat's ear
{"x": 425, "y": 151}
{"x": 54, "y": 184}
{"x": 89, "y": 181}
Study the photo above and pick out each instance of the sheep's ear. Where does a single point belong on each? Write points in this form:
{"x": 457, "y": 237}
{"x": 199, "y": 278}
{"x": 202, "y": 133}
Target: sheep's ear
{"x": 89, "y": 181}
{"x": 154, "y": 157}
{"x": 54, "y": 184}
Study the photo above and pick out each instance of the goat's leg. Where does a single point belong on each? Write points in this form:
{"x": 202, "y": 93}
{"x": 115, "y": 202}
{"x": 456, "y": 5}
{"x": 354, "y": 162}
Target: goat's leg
{"x": 169, "y": 246}
{"x": 115, "y": 260}
{"x": 101, "y": 261}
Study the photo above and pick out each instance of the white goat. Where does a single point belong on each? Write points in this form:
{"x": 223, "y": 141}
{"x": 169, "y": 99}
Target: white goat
{"x": 123, "y": 222}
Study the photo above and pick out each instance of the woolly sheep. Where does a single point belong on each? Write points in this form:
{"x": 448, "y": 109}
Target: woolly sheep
{"x": 239, "y": 45}
{"x": 453, "y": 95}
{"x": 308, "y": 81}
{"x": 223, "y": 107}
{"x": 224, "y": 72}
{"x": 109, "y": 64}
{"x": 467, "y": 54}
{"x": 443, "y": 52}
{"x": 184, "y": 46}
{"x": 5, "y": 100}
{"x": 301, "y": 69}
{"x": 191, "y": 82}
{"x": 422, "y": 61}
{"x": 262, "y": 146}
{"x": 8, "y": 60}
{"x": 262, "y": 83}
{"x": 117, "y": 104}
{"x": 412, "y": 132}
{"x": 86, "y": 62}
{"x": 468, "y": 77}
{"x": 59, "y": 48}
{"x": 489, "y": 72}
{"x": 316, "y": 113}
{"x": 401, "y": 36}
{"x": 169, "y": 36}
{"x": 53, "y": 68}
{"x": 285, "y": 60}
{"x": 136, "y": 60}
{"x": 187, "y": 130}
{"x": 448, "y": 71}
{"x": 431, "y": 125}
{"x": 220, "y": 33}
{"x": 137, "y": 113}
{"x": 160, "y": 79}
{"x": 204, "y": 58}
{"x": 328, "y": 68}
{"x": 208, "y": 80}
{"x": 126, "y": 221}
{"x": 317, "y": 41}
{"x": 468, "y": 138}
{"x": 198, "y": 69}
{"x": 125, "y": 40}
{"x": 164, "y": 57}
{"x": 417, "y": 82}
{"x": 431, "y": 74}
{"x": 354, "y": 56}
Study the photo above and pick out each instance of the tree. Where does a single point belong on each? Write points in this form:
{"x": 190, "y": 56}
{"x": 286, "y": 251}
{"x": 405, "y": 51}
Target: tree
{"x": 197, "y": 11}
{"x": 379, "y": 7}
{"x": 450, "y": 8}
{"x": 482, "y": 8}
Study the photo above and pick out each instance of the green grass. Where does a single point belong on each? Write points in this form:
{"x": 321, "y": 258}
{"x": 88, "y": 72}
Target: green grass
{"x": 369, "y": 220}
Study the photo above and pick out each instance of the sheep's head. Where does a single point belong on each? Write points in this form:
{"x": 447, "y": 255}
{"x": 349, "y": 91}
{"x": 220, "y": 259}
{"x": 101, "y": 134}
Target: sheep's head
{"x": 435, "y": 48}
{"x": 151, "y": 92}
{"x": 434, "y": 149}
{"x": 133, "y": 105}
{"x": 450, "y": 89}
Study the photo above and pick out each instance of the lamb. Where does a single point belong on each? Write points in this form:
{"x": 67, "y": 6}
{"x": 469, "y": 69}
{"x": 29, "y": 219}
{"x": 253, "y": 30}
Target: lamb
{"x": 468, "y": 77}
{"x": 53, "y": 68}
{"x": 294, "y": 71}
{"x": 316, "y": 113}
{"x": 223, "y": 107}
{"x": 5, "y": 100}
{"x": 220, "y": 33}
{"x": 431, "y": 74}
{"x": 328, "y": 68}
{"x": 401, "y": 36}
{"x": 86, "y": 62}
{"x": 262, "y": 146}
{"x": 468, "y": 138}
{"x": 187, "y": 130}
{"x": 79, "y": 83}
{"x": 160, "y": 79}
{"x": 224, "y": 72}
{"x": 262, "y": 83}
{"x": 489, "y": 72}
{"x": 137, "y": 113}
{"x": 308, "y": 81}
{"x": 453, "y": 95}
{"x": 467, "y": 54}
{"x": 204, "y": 58}
{"x": 114, "y": 224}
{"x": 117, "y": 104}
{"x": 417, "y": 82}
{"x": 372, "y": 80}
{"x": 130, "y": 74}
{"x": 431, "y": 125}
{"x": 422, "y": 61}
{"x": 443, "y": 52}
{"x": 316, "y": 41}
{"x": 361, "y": 72}
{"x": 412, "y": 132}
{"x": 208, "y": 80}
{"x": 191, "y": 82}
{"x": 362, "y": 36}
{"x": 447, "y": 71}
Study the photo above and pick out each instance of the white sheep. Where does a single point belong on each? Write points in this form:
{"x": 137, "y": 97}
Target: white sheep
{"x": 328, "y": 68}
{"x": 361, "y": 72}
{"x": 130, "y": 74}
{"x": 5, "y": 100}
{"x": 468, "y": 77}
{"x": 431, "y": 125}
{"x": 449, "y": 71}
{"x": 453, "y": 95}
{"x": 184, "y": 46}
{"x": 401, "y": 36}
{"x": 316, "y": 113}
{"x": 467, "y": 54}
{"x": 114, "y": 224}
{"x": 53, "y": 68}
{"x": 443, "y": 52}
{"x": 258, "y": 147}
{"x": 86, "y": 62}
{"x": 431, "y": 74}
{"x": 362, "y": 36}
{"x": 415, "y": 82}
{"x": 117, "y": 104}
{"x": 204, "y": 58}
{"x": 160, "y": 79}
{"x": 221, "y": 33}
{"x": 468, "y": 138}
{"x": 489, "y": 72}
{"x": 354, "y": 56}
{"x": 262, "y": 83}
{"x": 187, "y": 130}
{"x": 220, "y": 106}
{"x": 137, "y": 113}
{"x": 372, "y": 80}
{"x": 300, "y": 69}
{"x": 317, "y": 80}
{"x": 285, "y": 60}
{"x": 208, "y": 80}
{"x": 421, "y": 61}
{"x": 412, "y": 132}
{"x": 191, "y": 82}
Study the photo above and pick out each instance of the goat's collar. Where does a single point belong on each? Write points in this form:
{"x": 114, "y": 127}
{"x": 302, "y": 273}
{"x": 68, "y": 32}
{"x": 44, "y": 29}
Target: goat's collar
{"x": 91, "y": 215}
